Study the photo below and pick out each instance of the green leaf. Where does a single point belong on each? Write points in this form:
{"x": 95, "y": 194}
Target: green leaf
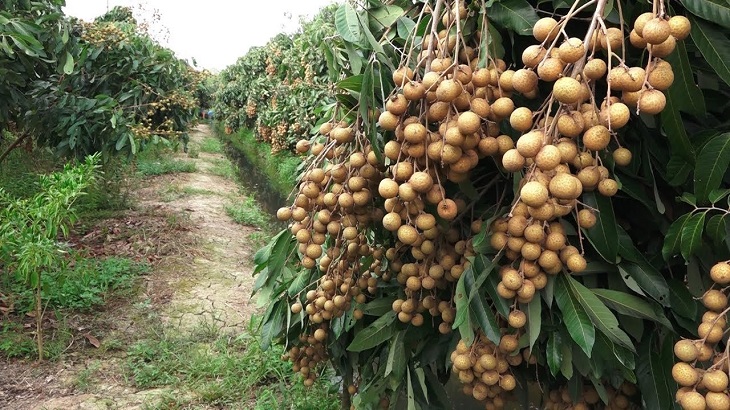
{"x": 604, "y": 235}
{"x": 576, "y": 319}
{"x": 716, "y": 11}
{"x": 385, "y": 16}
{"x": 480, "y": 309}
{"x": 656, "y": 392}
{"x": 673, "y": 237}
{"x": 631, "y": 305}
{"x": 534, "y": 320}
{"x": 68, "y": 67}
{"x": 405, "y": 27}
{"x": 273, "y": 323}
{"x": 566, "y": 365}
{"x": 676, "y": 133}
{"x": 649, "y": 279}
{"x": 683, "y": 303}
{"x": 692, "y": 234}
{"x": 713, "y": 45}
{"x": 712, "y": 164}
{"x": 716, "y": 195}
{"x": 378, "y": 332}
{"x": 347, "y": 24}
{"x": 684, "y": 92}
{"x": 600, "y": 315}
{"x": 299, "y": 283}
{"x": 395, "y": 363}
{"x": 554, "y": 353}
{"x": 517, "y": 15}
{"x": 717, "y": 227}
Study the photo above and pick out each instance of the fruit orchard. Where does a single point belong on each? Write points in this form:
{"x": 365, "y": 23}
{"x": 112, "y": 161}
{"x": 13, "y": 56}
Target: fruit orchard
{"x": 530, "y": 197}
{"x": 81, "y": 88}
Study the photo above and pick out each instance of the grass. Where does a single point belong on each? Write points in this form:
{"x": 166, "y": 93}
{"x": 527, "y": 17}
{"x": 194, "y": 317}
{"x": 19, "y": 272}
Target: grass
{"x": 280, "y": 169}
{"x": 211, "y": 145}
{"x": 81, "y": 287}
{"x": 249, "y": 213}
{"x": 161, "y": 166}
{"x": 174, "y": 192}
{"x": 219, "y": 369}
{"x": 222, "y": 168}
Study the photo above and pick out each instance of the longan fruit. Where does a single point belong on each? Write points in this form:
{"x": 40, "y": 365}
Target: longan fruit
{"x": 576, "y": 263}
{"x": 571, "y": 50}
{"x": 548, "y": 158}
{"x": 567, "y": 90}
{"x": 586, "y": 218}
{"x": 636, "y": 40}
{"x": 661, "y": 78}
{"x": 679, "y": 26}
{"x": 684, "y": 374}
{"x": 717, "y": 401}
{"x": 517, "y": 319}
{"x": 622, "y": 156}
{"x": 720, "y": 273}
{"x": 521, "y": 119}
{"x": 693, "y": 400}
{"x": 715, "y": 300}
{"x": 596, "y": 138}
{"x": 512, "y": 161}
{"x": 711, "y": 333}
{"x": 524, "y": 80}
{"x": 595, "y": 69}
{"x": 512, "y": 280}
{"x": 608, "y": 187}
{"x": 715, "y": 380}
{"x": 545, "y": 29}
{"x": 686, "y": 350}
{"x": 663, "y": 49}
{"x": 533, "y": 55}
{"x": 656, "y": 31}
{"x": 652, "y": 102}
{"x": 503, "y": 107}
{"x": 534, "y": 194}
{"x": 530, "y": 144}
{"x": 641, "y": 21}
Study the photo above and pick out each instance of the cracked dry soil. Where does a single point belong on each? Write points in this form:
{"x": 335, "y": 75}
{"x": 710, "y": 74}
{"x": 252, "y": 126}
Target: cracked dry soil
{"x": 201, "y": 273}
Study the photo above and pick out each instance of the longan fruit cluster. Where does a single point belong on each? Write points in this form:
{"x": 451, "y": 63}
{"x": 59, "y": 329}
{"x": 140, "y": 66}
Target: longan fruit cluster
{"x": 702, "y": 369}
{"x": 617, "y": 399}
{"x": 484, "y": 368}
{"x": 251, "y": 109}
{"x": 310, "y": 356}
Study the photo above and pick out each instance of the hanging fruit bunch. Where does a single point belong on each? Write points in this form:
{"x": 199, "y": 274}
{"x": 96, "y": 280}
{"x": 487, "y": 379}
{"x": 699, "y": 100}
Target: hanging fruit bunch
{"x": 459, "y": 217}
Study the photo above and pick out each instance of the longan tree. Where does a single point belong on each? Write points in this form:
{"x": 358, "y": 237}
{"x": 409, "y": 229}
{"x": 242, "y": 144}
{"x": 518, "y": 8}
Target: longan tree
{"x": 529, "y": 197}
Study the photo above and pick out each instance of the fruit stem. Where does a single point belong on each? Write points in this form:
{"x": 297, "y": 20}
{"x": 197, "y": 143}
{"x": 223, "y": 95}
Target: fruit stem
{"x": 597, "y": 15}
{"x": 434, "y": 33}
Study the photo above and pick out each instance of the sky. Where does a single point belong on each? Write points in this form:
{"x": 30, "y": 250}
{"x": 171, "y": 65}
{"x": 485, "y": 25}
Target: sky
{"x": 213, "y": 32}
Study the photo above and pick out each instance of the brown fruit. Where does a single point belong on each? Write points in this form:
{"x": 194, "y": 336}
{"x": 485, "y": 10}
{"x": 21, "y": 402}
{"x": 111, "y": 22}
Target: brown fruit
{"x": 567, "y": 90}
{"x": 565, "y": 186}
{"x": 715, "y": 300}
{"x": 530, "y": 144}
{"x": 503, "y": 107}
{"x": 720, "y": 273}
{"x": 636, "y": 40}
{"x": 513, "y": 161}
{"x": 571, "y": 50}
{"x": 550, "y": 69}
{"x": 534, "y": 194}
{"x": 661, "y": 77}
{"x": 641, "y": 21}
{"x": 595, "y": 69}
{"x": 576, "y": 263}
{"x": 408, "y": 234}
{"x": 521, "y": 119}
{"x": 716, "y": 401}
{"x": 447, "y": 209}
{"x": 532, "y": 55}
{"x": 468, "y": 122}
{"x": 656, "y": 30}
{"x": 421, "y": 181}
{"x": 448, "y": 90}
{"x": 711, "y": 333}
{"x": 608, "y": 187}
{"x": 715, "y": 380}
{"x": 524, "y": 81}
{"x": 664, "y": 49}
{"x": 622, "y": 156}
{"x": 402, "y": 75}
{"x": 692, "y": 400}
{"x": 652, "y": 102}
{"x": 596, "y": 138}
{"x": 679, "y": 26}
{"x": 545, "y": 29}
{"x": 684, "y": 374}
{"x": 586, "y": 218}
{"x": 517, "y": 319}
{"x": 686, "y": 350}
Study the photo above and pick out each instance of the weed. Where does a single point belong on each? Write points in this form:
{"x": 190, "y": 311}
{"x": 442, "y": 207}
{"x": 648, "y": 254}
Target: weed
{"x": 222, "y": 370}
{"x": 223, "y": 168}
{"x": 249, "y": 213}
{"x": 164, "y": 166}
{"x": 86, "y": 377}
{"x": 211, "y": 145}
{"x": 193, "y": 152}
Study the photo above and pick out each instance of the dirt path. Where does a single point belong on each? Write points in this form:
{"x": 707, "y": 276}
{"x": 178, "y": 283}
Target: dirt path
{"x": 201, "y": 275}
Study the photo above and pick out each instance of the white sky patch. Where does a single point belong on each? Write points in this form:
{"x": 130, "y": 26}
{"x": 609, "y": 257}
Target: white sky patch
{"x": 213, "y": 32}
